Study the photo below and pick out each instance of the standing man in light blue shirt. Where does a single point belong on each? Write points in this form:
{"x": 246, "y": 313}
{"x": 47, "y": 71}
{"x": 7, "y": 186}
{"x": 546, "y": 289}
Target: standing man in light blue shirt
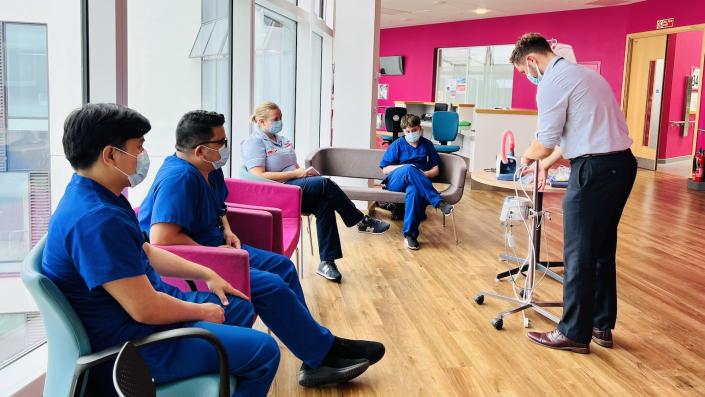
{"x": 577, "y": 110}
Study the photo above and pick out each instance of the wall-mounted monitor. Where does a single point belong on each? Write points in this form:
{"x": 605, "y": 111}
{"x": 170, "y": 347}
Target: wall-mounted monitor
{"x": 391, "y": 65}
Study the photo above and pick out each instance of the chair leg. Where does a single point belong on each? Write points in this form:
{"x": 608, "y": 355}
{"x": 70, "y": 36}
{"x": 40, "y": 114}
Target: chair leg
{"x": 310, "y": 237}
{"x": 455, "y": 232}
{"x": 444, "y": 219}
{"x": 297, "y": 255}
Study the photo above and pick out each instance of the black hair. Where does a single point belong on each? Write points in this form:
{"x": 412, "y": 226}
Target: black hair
{"x": 528, "y": 43}
{"x": 92, "y": 127}
{"x": 196, "y": 127}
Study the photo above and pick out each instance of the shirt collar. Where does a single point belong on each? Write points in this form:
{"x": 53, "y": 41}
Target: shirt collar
{"x": 552, "y": 64}
{"x": 266, "y": 138}
{"x": 98, "y": 188}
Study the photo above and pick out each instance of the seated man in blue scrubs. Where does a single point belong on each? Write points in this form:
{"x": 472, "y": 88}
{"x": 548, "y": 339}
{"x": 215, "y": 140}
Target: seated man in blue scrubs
{"x": 97, "y": 256}
{"x": 409, "y": 165}
{"x": 186, "y": 205}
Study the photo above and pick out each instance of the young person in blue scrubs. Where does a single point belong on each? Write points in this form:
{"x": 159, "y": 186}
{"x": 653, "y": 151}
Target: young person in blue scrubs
{"x": 270, "y": 155}
{"x": 409, "y": 164}
{"x": 97, "y": 256}
{"x": 186, "y": 205}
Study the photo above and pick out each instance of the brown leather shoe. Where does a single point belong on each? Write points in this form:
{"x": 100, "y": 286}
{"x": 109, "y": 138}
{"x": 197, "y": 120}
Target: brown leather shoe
{"x": 602, "y": 338}
{"x": 556, "y": 340}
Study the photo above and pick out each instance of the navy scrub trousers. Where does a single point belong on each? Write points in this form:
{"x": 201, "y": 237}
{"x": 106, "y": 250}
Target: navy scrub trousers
{"x": 419, "y": 193}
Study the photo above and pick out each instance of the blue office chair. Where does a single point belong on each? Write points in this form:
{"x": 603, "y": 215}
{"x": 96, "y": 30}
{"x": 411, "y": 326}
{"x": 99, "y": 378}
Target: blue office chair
{"x": 445, "y": 129}
{"x": 70, "y": 354}
{"x": 392, "y": 123}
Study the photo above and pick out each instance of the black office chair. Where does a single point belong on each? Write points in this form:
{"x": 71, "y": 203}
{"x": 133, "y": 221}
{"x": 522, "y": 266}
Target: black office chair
{"x": 392, "y": 123}
{"x": 440, "y": 107}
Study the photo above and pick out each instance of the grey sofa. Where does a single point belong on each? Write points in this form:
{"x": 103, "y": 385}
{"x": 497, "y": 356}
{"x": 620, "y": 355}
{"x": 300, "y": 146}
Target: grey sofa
{"x": 364, "y": 164}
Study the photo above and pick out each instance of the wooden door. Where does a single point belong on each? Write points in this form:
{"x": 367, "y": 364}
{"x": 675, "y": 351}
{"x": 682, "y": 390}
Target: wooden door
{"x": 641, "y": 108}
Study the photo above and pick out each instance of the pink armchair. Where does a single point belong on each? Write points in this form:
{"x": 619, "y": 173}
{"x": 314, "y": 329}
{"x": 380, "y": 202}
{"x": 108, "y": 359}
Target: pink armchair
{"x": 254, "y": 227}
{"x": 278, "y": 199}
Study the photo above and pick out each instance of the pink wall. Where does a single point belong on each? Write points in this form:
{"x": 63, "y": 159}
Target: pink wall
{"x": 684, "y": 51}
{"x": 595, "y": 34}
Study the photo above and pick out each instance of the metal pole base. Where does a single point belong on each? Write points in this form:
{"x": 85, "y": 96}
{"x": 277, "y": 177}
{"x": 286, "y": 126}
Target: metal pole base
{"x": 522, "y": 304}
{"x": 542, "y": 267}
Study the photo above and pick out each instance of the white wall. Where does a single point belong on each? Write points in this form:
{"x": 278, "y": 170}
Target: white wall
{"x": 63, "y": 21}
{"x": 163, "y": 82}
{"x": 355, "y": 52}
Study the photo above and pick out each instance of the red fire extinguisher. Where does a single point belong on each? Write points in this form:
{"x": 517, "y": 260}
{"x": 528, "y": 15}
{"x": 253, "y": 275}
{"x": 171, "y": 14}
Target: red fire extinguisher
{"x": 699, "y": 174}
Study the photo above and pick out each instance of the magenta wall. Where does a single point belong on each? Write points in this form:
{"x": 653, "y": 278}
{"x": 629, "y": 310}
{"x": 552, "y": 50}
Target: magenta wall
{"x": 595, "y": 34}
{"x": 684, "y": 50}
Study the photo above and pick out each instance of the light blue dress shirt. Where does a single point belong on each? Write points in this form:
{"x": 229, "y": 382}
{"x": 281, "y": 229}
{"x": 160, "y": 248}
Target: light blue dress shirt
{"x": 578, "y": 112}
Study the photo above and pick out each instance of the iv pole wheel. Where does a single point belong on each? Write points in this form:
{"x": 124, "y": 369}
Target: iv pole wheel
{"x": 480, "y": 299}
{"x": 498, "y": 323}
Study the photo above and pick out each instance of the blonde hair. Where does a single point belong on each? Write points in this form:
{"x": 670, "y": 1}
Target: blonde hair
{"x": 262, "y": 111}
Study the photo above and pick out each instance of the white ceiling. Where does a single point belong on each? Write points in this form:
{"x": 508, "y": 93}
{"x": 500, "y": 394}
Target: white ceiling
{"x": 397, "y": 13}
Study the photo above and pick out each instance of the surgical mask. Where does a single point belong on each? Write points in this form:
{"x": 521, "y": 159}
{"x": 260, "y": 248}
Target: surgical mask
{"x": 412, "y": 137}
{"x": 224, "y": 156}
{"x": 276, "y": 127}
{"x": 533, "y": 79}
{"x": 141, "y": 170}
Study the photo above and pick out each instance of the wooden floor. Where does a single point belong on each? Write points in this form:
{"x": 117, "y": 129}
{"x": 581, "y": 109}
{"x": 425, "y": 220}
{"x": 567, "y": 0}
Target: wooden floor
{"x": 440, "y": 343}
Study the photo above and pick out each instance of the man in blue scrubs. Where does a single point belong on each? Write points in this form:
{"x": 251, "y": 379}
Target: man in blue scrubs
{"x": 186, "y": 205}
{"x": 97, "y": 256}
{"x": 410, "y": 164}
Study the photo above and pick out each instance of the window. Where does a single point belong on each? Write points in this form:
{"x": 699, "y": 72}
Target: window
{"x": 24, "y": 177}
{"x": 275, "y": 64}
{"x": 212, "y": 45}
{"x": 479, "y": 75}
{"x": 316, "y": 75}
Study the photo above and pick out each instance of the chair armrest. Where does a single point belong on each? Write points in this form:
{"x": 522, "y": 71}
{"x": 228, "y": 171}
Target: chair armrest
{"x": 91, "y": 360}
{"x": 277, "y": 224}
{"x": 231, "y": 264}
{"x": 252, "y": 226}
{"x": 266, "y": 194}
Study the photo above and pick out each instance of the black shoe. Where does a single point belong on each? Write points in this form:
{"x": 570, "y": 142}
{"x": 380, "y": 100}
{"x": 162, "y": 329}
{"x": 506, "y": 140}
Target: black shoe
{"x": 333, "y": 370}
{"x": 350, "y": 348}
{"x": 329, "y": 270}
{"x": 372, "y": 225}
{"x": 411, "y": 243}
{"x": 445, "y": 208}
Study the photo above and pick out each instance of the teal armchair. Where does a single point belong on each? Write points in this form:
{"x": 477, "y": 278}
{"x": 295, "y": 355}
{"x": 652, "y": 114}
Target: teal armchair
{"x": 70, "y": 354}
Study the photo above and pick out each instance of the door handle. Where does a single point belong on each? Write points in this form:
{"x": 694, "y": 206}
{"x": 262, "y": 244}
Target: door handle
{"x": 680, "y": 123}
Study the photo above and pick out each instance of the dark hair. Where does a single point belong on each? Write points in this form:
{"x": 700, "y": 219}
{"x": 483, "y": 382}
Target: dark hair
{"x": 89, "y": 129}
{"x": 528, "y": 43}
{"x": 196, "y": 127}
{"x": 410, "y": 121}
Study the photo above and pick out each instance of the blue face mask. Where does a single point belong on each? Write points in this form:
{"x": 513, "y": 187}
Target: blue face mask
{"x": 533, "y": 79}
{"x": 276, "y": 127}
{"x": 141, "y": 170}
{"x": 224, "y": 156}
{"x": 412, "y": 137}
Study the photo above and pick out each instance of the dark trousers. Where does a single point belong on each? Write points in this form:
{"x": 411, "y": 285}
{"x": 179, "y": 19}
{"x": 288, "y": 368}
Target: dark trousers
{"x": 598, "y": 190}
{"x": 419, "y": 193}
{"x": 323, "y": 198}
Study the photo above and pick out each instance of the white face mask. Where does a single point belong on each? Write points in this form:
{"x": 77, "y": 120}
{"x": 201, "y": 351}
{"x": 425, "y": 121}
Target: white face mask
{"x": 224, "y": 156}
{"x": 141, "y": 170}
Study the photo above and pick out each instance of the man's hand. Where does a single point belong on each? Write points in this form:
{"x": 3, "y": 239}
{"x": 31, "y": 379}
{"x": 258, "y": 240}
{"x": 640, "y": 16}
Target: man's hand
{"x": 543, "y": 172}
{"x": 231, "y": 239}
{"x": 221, "y": 288}
{"x": 212, "y": 313}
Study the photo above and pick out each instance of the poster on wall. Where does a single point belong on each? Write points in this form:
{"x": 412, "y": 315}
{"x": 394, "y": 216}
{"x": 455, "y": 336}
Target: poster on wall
{"x": 461, "y": 85}
{"x": 383, "y": 91}
{"x": 695, "y": 85}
